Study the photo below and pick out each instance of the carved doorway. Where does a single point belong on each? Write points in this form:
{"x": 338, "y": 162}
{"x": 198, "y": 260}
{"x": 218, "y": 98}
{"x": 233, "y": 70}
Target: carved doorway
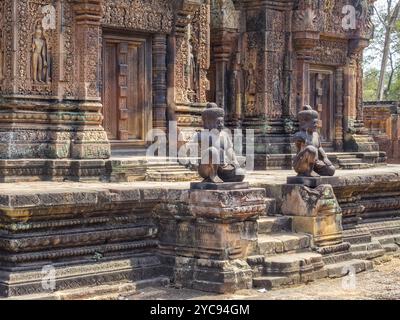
{"x": 127, "y": 96}
{"x": 322, "y": 99}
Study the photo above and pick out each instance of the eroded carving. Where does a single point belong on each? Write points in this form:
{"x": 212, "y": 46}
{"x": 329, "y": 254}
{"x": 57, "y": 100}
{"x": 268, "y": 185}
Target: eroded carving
{"x": 40, "y": 64}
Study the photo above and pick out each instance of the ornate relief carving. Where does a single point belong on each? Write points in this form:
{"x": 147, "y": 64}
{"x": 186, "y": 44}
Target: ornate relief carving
{"x": 193, "y": 59}
{"x": 147, "y": 15}
{"x": 331, "y": 52}
{"x": 7, "y": 16}
{"x": 40, "y": 61}
{"x": 2, "y": 26}
{"x": 365, "y": 10}
{"x": 36, "y": 21}
{"x": 305, "y": 20}
{"x": 224, "y": 15}
{"x": 67, "y": 59}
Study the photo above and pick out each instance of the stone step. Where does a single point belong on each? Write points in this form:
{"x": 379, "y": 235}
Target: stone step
{"x": 391, "y": 247}
{"x": 355, "y": 166}
{"x": 337, "y": 257}
{"x": 274, "y": 282}
{"x": 346, "y": 156}
{"x": 170, "y": 177}
{"x": 387, "y": 230}
{"x": 293, "y": 264}
{"x": 342, "y": 269}
{"x": 369, "y": 255}
{"x": 349, "y": 161}
{"x": 274, "y": 224}
{"x": 111, "y": 291}
{"x": 375, "y": 245}
{"x": 274, "y": 243}
{"x": 175, "y": 171}
{"x": 167, "y": 167}
{"x": 388, "y": 239}
{"x": 257, "y": 265}
{"x": 270, "y": 209}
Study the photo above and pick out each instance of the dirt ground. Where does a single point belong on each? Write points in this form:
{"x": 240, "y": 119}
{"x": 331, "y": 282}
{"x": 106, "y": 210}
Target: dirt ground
{"x": 382, "y": 283}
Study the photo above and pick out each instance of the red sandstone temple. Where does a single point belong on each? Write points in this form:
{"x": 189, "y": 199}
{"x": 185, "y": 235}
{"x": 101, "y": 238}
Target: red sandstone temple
{"x": 82, "y": 82}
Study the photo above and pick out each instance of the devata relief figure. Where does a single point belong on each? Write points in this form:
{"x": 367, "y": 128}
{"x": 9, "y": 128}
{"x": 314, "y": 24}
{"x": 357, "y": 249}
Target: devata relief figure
{"x": 218, "y": 159}
{"x": 39, "y": 56}
{"x": 311, "y": 159}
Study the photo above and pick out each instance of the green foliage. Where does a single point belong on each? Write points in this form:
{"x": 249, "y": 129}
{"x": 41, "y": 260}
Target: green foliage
{"x": 373, "y": 58}
{"x": 371, "y": 78}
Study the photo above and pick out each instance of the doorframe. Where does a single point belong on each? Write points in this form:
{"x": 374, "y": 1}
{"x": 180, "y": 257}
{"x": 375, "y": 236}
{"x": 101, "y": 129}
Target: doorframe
{"x": 314, "y": 68}
{"x": 117, "y": 35}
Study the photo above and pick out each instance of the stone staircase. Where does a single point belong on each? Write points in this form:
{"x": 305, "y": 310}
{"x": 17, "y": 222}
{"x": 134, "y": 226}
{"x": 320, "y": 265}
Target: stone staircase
{"x": 129, "y": 169}
{"x": 376, "y": 240}
{"x": 351, "y": 162}
{"x": 169, "y": 172}
{"x": 357, "y": 160}
{"x": 285, "y": 258}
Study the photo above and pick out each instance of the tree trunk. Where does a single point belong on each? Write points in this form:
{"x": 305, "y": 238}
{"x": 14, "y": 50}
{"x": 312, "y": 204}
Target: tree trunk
{"x": 386, "y": 49}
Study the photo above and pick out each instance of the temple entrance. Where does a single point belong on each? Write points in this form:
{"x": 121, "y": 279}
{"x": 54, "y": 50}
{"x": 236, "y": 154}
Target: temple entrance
{"x": 322, "y": 99}
{"x": 126, "y": 89}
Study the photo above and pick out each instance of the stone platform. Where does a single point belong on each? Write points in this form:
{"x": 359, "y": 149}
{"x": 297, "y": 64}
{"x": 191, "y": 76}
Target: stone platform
{"x": 115, "y": 169}
{"x": 97, "y": 234}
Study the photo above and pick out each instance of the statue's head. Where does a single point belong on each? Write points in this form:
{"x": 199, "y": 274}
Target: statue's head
{"x": 39, "y": 31}
{"x": 213, "y": 117}
{"x": 308, "y": 119}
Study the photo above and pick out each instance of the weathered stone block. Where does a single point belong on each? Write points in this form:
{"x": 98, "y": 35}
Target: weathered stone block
{"x": 314, "y": 211}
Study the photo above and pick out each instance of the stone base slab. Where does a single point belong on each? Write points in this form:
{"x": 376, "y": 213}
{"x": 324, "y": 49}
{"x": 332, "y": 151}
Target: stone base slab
{"x": 212, "y": 275}
{"x": 136, "y": 268}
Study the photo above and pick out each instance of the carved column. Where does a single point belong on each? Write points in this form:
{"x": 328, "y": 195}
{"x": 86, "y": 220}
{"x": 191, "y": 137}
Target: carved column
{"x": 223, "y": 43}
{"x": 160, "y": 81}
{"x": 349, "y": 96}
{"x": 339, "y": 110}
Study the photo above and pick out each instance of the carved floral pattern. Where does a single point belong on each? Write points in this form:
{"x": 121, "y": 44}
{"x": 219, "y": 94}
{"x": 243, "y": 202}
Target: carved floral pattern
{"x": 147, "y": 15}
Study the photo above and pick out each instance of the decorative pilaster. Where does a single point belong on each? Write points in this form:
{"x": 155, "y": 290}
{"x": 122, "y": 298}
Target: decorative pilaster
{"x": 87, "y": 20}
{"x": 339, "y": 110}
{"x": 90, "y": 139}
{"x": 160, "y": 81}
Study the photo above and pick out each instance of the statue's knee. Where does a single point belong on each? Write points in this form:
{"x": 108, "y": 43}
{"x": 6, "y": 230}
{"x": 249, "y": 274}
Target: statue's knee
{"x": 331, "y": 170}
{"x": 210, "y": 156}
{"x": 312, "y": 150}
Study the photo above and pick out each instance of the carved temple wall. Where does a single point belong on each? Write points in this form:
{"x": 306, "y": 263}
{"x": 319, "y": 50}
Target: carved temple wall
{"x": 260, "y": 60}
{"x": 382, "y": 121}
{"x": 268, "y": 53}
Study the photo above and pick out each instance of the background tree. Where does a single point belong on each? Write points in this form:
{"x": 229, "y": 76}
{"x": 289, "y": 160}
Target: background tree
{"x": 382, "y": 57}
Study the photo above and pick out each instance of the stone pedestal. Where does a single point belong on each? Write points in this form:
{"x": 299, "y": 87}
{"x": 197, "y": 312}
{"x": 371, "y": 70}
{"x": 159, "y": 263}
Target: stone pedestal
{"x": 314, "y": 211}
{"x": 206, "y": 243}
{"x": 311, "y": 182}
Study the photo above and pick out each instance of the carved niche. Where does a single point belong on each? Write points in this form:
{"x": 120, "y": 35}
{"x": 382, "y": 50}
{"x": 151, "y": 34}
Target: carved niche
{"x": 193, "y": 58}
{"x": 37, "y": 43}
{"x": 40, "y": 57}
